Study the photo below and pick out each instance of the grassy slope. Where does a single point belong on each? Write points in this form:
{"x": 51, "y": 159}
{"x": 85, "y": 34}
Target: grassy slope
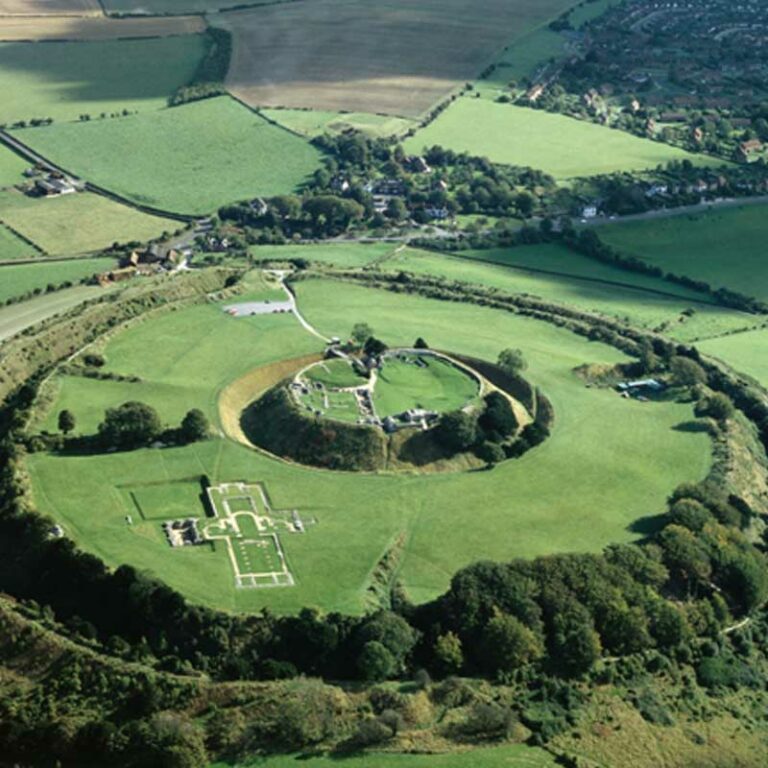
{"x": 16, "y": 280}
{"x": 746, "y": 352}
{"x": 576, "y": 492}
{"x": 11, "y": 167}
{"x": 78, "y": 223}
{"x": 66, "y": 80}
{"x": 724, "y": 247}
{"x": 17, "y": 317}
{"x": 562, "y": 146}
{"x": 189, "y": 159}
{"x": 649, "y": 310}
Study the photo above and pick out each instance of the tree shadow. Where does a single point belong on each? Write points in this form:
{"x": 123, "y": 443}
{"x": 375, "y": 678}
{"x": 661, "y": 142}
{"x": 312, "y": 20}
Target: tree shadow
{"x": 692, "y": 427}
{"x": 648, "y": 525}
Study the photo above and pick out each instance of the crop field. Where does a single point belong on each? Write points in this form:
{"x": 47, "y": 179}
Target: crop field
{"x": 11, "y": 168}
{"x": 746, "y": 352}
{"x": 576, "y": 492}
{"x": 20, "y": 279}
{"x": 507, "y": 756}
{"x": 393, "y": 58}
{"x": 724, "y": 247}
{"x": 66, "y": 80}
{"x": 584, "y": 284}
{"x": 310, "y": 122}
{"x": 13, "y": 247}
{"x": 54, "y": 7}
{"x": 190, "y": 159}
{"x": 562, "y": 146}
{"x": 78, "y": 223}
{"x": 45, "y": 28}
{"x": 169, "y": 6}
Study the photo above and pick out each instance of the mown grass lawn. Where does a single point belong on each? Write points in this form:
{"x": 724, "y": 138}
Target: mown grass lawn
{"x": 507, "y": 756}
{"x": 725, "y": 247}
{"x": 78, "y": 223}
{"x": 562, "y": 146}
{"x": 576, "y": 492}
{"x": 20, "y": 279}
{"x": 190, "y": 159}
{"x": 66, "y": 80}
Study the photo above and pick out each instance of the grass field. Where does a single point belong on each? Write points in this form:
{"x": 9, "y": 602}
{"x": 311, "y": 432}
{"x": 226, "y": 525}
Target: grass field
{"x": 439, "y": 387}
{"x": 11, "y": 168}
{"x": 167, "y": 6}
{"x": 337, "y": 254}
{"x": 582, "y": 283}
{"x": 76, "y": 28}
{"x": 334, "y": 373}
{"x": 310, "y": 122}
{"x": 13, "y": 247}
{"x": 394, "y": 58}
{"x": 17, "y": 317}
{"x": 35, "y": 7}
{"x": 18, "y": 279}
{"x": 746, "y": 352}
{"x": 724, "y": 247}
{"x": 66, "y": 80}
{"x": 507, "y": 756}
{"x": 562, "y": 146}
{"x": 78, "y": 223}
{"x": 189, "y": 159}
{"x": 576, "y": 492}
{"x": 257, "y": 286}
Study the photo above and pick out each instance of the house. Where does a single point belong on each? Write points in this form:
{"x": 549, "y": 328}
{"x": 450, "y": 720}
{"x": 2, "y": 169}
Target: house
{"x": 535, "y": 93}
{"x": 53, "y": 186}
{"x": 748, "y": 148}
{"x": 339, "y": 184}
{"x": 417, "y": 165}
{"x": 656, "y": 189}
{"x": 589, "y": 211}
{"x": 388, "y": 188}
{"x": 258, "y": 206}
{"x": 643, "y": 385}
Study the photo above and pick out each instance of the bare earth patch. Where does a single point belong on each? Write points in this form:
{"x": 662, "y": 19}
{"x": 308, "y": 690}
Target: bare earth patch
{"x": 53, "y": 7}
{"x": 18, "y": 28}
{"x": 395, "y": 57}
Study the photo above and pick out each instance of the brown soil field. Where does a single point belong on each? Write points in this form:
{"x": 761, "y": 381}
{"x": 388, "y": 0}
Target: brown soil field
{"x": 16, "y": 28}
{"x": 53, "y": 7}
{"x": 394, "y": 57}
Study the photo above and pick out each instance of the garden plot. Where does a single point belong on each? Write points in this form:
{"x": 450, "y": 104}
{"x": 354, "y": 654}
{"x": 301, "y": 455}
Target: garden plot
{"x": 250, "y": 531}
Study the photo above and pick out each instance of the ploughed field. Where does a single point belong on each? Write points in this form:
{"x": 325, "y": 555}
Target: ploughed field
{"x": 576, "y": 492}
{"x": 395, "y": 57}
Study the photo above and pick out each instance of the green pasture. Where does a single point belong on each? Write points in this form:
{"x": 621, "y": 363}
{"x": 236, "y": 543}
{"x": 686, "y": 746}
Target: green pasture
{"x": 12, "y": 166}
{"x": 78, "y": 223}
{"x": 506, "y": 756}
{"x": 725, "y": 247}
{"x": 312, "y": 122}
{"x": 13, "y": 247}
{"x": 440, "y": 386}
{"x": 190, "y": 159}
{"x": 66, "y": 80}
{"x": 562, "y": 146}
{"x": 335, "y": 373}
{"x": 336, "y": 254}
{"x": 256, "y": 286}
{"x": 576, "y": 492}
{"x": 20, "y": 279}
{"x": 587, "y": 285}
{"x": 746, "y": 352}
{"x": 164, "y": 501}
{"x": 172, "y": 7}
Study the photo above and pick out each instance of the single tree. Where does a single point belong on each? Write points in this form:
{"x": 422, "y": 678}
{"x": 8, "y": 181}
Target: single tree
{"x": 511, "y": 361}
{"x": 195, "y": 426}
{"x": 361, "y": 332}
{"x": 448, "y": 653}
{"x": 686, "y": 372}
{"x": 508, "y": 644}
{"x": 420, "y": 344}
{"x": 66, "y": 421}
{"x": 375, "y": 662}
{"x": 130, "y": 425}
